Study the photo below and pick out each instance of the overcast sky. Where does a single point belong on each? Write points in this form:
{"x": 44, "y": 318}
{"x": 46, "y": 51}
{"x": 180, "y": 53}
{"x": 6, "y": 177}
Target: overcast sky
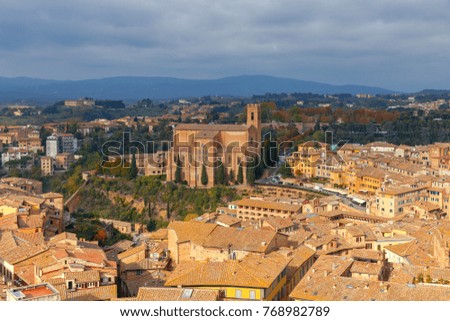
{"x": 401, "y": 45}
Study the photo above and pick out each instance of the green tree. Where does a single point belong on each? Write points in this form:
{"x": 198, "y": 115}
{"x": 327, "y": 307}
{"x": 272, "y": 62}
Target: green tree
{"x": 169, "y": 209}
{"x": 251, "y": 172}
{"x": 273, "y": 153}
{"x": 151, "y": 225}
{"x": 133, "y": 171}
{"x": 266, "y": 152}
{"x": 43, "y": 134}
{"x": 286, "y": 170}
{"x": 178, "y": 171}
{"x": 318, "y": 136}
{"x": 220, "y": 174}
{"x": 231, "y": 176}
{"x": 204, "y": 178}
{"x": 259, "y": 168}
{"x": 240, "y": 175}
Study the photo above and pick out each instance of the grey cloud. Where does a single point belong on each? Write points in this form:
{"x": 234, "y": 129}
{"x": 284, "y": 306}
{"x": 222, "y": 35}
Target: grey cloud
{"x": 397, "y": 44}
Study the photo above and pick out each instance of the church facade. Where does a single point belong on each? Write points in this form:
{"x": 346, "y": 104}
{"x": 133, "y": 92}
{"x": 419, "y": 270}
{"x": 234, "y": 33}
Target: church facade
{"x": 200, "y": 147}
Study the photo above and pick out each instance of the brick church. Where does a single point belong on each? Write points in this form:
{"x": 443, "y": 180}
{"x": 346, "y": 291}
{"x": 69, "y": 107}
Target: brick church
{"x": 198, "y": 144}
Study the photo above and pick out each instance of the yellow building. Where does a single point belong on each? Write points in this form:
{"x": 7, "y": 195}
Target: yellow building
{"x": 304, "y": 161}
{"x": 314, "y": 159}
{"x": 395, "y": 201}
{"x": 256, "y": 277}
{"x": 47, "y": 166}
{"x": 367, "y": 180}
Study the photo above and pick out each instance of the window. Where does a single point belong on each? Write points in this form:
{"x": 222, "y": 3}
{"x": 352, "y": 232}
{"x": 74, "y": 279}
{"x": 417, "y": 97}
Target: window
{"x": 252, "y": 116}
{"x": 238, "y": 294}
{"x": 252, "y": 295}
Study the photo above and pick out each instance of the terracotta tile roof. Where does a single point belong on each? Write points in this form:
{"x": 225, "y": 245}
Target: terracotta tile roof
{"x": 59, "y": 253}
{"x": 227, "y": 220}
{"x": 14, "y": 250}
{"x": 160, "y": 234}
{"x": 33, "y": 238}
{"x": 52, "y": 195}
{"x": 171, "y": 294}
{"x": 348, "y": 289}
{"x": 373, "y": 172}
{"x": 253, "y": 271}
{"x": 239, "y": 239}
{"x": 102, "y": 293}
{"x": 46, "y": 260}
{"x": 299, "y": 237}
{"x": 28, "y": 199}
{"x": 364, "y": 254}
{"x": 208, "y": 127}
{"x": 366, "y": 268}
{"x": 26, "y": 273}
{"x": 63, "y": 236}
{"x": 402, "y": 190}
{"x": 131, "y": 251}
{"x": 96, "y": 256}
{"x": 144, "y": 264}
{"x": 427, "y": 206}
{"x": 355, "y": 231}
{"x": 404, "y": 249}
{"x": 326, "y": 281}
{"x": 151, "y": 247}
{"x": 268, "y": 205}
{"x": 30, "y": 221}
{"x": 279, "y": 222}
{"x": 83, "y": 277}
{"x": 299, "y": 257}
{"x": 117, "y": 248}
{"x": 59, "y": 285}
{"x": 418, "y": 252}
{"x": 196, "y": 232}
{"x": 148, "y": 278}
{"x": 8, "y": 223}
{"x": 403, "y": 273}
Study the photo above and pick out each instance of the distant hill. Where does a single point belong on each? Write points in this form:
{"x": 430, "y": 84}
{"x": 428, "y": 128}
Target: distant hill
{"x": 133, "y": 88}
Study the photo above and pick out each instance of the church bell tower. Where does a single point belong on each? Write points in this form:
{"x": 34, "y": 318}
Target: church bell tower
{"x": 254, "y": 118}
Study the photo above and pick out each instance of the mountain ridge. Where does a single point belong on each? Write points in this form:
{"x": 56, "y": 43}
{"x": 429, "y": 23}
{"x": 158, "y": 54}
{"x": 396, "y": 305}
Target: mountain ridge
{"x": 135, "y": 87}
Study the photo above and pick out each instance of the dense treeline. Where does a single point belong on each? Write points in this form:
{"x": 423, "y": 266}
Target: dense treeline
{"x": 410, "y": 129}
{"x": 177, "y": 200}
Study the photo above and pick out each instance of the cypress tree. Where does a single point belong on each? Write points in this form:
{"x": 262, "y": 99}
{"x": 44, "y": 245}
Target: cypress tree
{"x": 204, "y": 178}
{"x": 251, "y": 173}
{"x": 240, "y": 175}
{"x": 231, "y": 176}
{"x": 220, "y": 174}
{"x": 178, "y": 171}
{"x": 266, "y": 152}
{"x": 273, "y": 153}
{"x": 133, "y": 169}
